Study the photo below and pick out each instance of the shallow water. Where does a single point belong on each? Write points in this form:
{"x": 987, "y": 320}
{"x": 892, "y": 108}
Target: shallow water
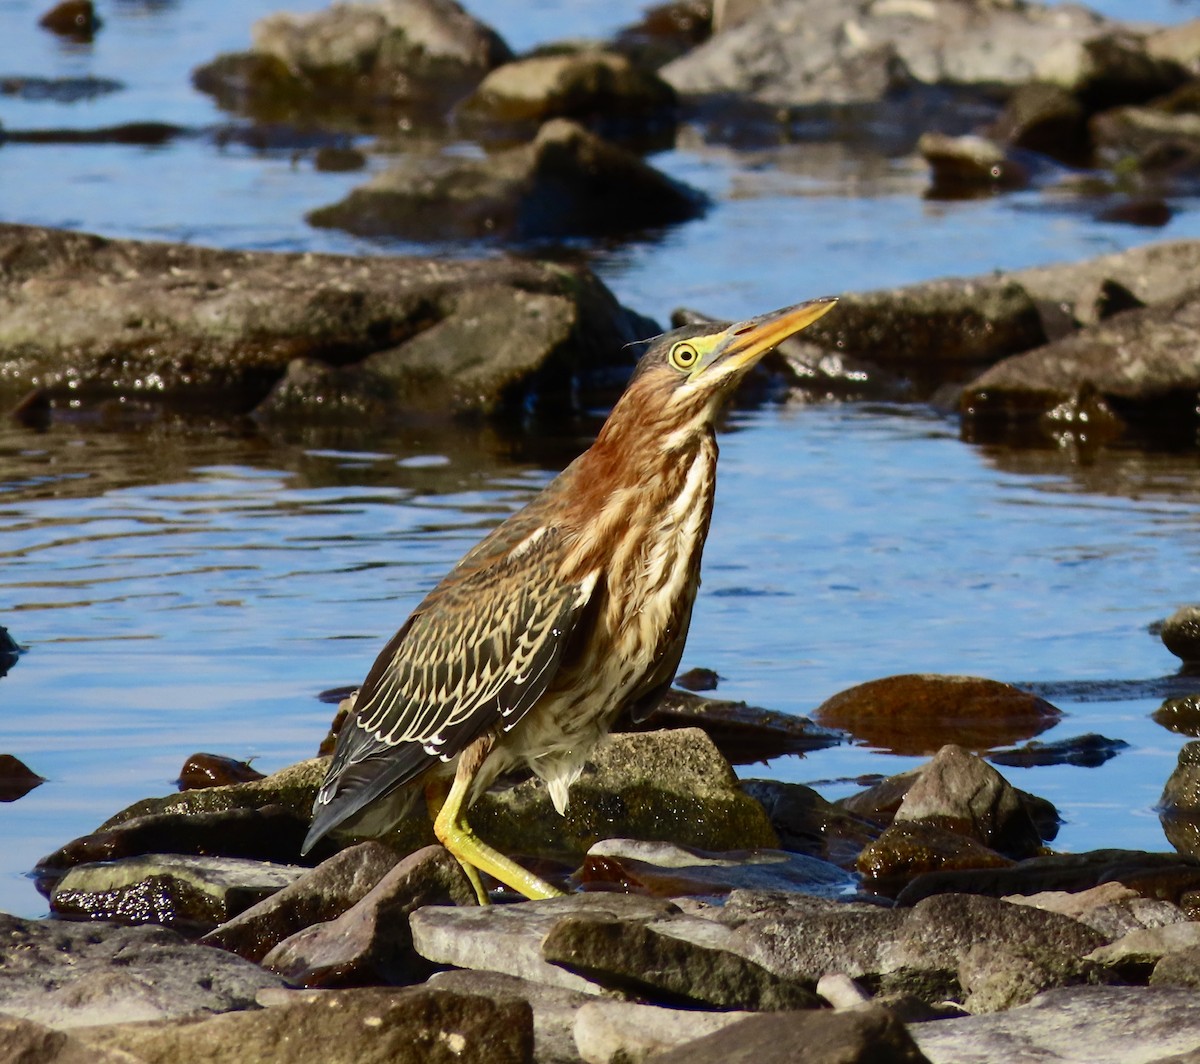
{"x": 194, "y": 590}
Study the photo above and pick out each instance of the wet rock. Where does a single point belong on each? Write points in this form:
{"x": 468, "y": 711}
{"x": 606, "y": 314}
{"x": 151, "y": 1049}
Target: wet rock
{"x": 1046, "y": 119}
{"x": 743, "y": 734}
{"x": 331, "y": 160}
{"x": 665, "y": 32}
{"x": 1151, "y": 212}
{"x": 1136, "y": 361}
{"x": 918, "y": 714}
{"x": 698, "y": 680}
{"x": 72, "y": 18}
{"x": 1111, "y": 908}
{"x": 173, "y": 324}
{"x": 16, "y": 778}
{"x": 68, "y": 975}
{"x": 1180, "y": 715}
{"x": 567, "y": 182}
{"x": 320, "y": 895}
{"x": 1181, "y": 634}
{"x": 816, "y": 373}
{"x": 215, "y": 770}
{"x": 800, "y": 52}
{"x": 668, "y": 786}
{"x": 356, "y": 60}
{"x": 1179, "y": 805}
{"x": 619, "y": 1032}
{"x": 962, "y": 793}
{"x": 867, "y": 1036}
{"x": 907, "y": 850}
{"x": 554, "y": 1008}
{"x": 632, "y": 957}
{"x": 807, "y": 823}
{"x": 370, "y": 942}
{"x": 508, "y": 938}
{"x": 1161, "y": 875}
{"x": 600, "y": 89}
{"x": 271, "y": 833}
{"x": 1099, "y": 1024}
{"x": 368, "y": 1026}
{"x": 666, "y": 870}
{"x": 1089, "y": 751}
{"x": 999, "y": 976}
{"x": 10, "y": 651}
{"x": 168, "y": 889}
{"x": 965, "y": 165}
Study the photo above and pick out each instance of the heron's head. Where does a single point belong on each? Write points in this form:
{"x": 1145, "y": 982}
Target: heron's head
{"x": 685, "y": 376}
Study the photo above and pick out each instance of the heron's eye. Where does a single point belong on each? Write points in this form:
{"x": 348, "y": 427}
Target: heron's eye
{"x": 684, "y": 355}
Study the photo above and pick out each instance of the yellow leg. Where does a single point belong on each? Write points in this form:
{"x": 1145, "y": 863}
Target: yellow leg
{"x": 453, "y": 831}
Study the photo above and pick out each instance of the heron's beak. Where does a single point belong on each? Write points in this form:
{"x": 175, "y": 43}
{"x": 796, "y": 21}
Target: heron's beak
{"x": 747, "y": 341}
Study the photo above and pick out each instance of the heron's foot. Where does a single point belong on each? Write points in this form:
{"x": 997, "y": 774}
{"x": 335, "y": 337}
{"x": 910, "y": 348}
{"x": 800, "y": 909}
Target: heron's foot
{"x": 475, "y": 855}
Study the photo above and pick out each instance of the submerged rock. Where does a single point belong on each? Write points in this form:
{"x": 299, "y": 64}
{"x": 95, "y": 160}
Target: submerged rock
{"x": 918, "y": 714}
{"x": 215, "y": 770}
{"x": 1090, "y": 751}
{"x": 567, "y": 182}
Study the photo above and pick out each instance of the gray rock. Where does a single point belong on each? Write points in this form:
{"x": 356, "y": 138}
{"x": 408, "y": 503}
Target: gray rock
{"x": 319, "y": 895}
{"x": 1180, "y": 967}
{"x": 170, "y": 323}
{"x": 964, "y": 794}
{"x": 1111, "y": 908}
{"x": 804, "y": 52}
{"x": 370, "y": 942}
{"x": 1076, "y": 1025}
{"x": 554, "y": 1008}
{"x": 27, "y": 1042}
{"x": 68, "y": 975}
{"x": 1146, "y": 946}
{"x": 566, "y": 182}
{"x": 1137, "y": 362}
{"x": 850, "y": 1036}
{"x": 635, "y": 957}
{"x": 414, "y": 1025}
{"x": 169, "y": 888}
{"x": 996, "y": 976}
{"x": 665, "y": 868}
{"x": 508, "y": 938}
{"x": 618, "y": 1032}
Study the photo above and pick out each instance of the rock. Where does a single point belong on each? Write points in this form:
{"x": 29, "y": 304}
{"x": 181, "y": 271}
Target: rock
{"x": 665, "y": 32}
{"x": 214, "y": 770}
{"x": 415, "y": 1025}
{"x": 668, "y": 786}
{"x": 1179, "y": 967}
{"x": 68, "y": 975}
{"x": 271, "y": 833}
{"x": 588, "y": 86}
{"x": 554, "y": 1008}
{"x": 962, "y": 793}
{"x": 1046, "y": 119}
{"x": 799, "y": 52}
{"x": 508, "y": 938}
{"x": 697, "y": 680}
{"x": 76, "y": 19}
{"x": 375, "y": 59}
{"x": 319, "y": 895}
{"x": 852, "y": 1036}
{"x": 1097, "y": 1024}
{"x": 10, "y": 651}
{"x": 619, "y": 1032}
{"x": 1090, "y": 751}
{"x": 1180, "y": 634}
{"x": 998, "y": 975}
{"x": 167, "y": 324}
{"x": 667, "y": 870}
{"x": 1110, "y": 69}
{"x": 567, "y": 182}
{"x": 1180, "y": 715}
{"x": 168, "y": 889}
{"x": 1136, "y": 361}
{"x": 16, "y": 778}
{"x": 1150, "y": 211}
{"x": 918, "y": 714}
{"x": 807, "y": 823}
{"x": 743, "y": 734}
{"x": 909, "y": 849}
{"x": 1138, "y": 951}
{"x": 1111, "y": 908}
{"x": 633, "y": 957}
{"x": 965, "y": 165}
{"x": 1179, "y": 805}
{"x": 1161, "y": 875}
{"x": 841, "y": 991}
{"x": 370, "y": 942}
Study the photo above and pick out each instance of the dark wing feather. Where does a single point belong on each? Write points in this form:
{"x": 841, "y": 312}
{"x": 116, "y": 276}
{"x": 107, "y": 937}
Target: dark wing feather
{"x": 476, "y": 654}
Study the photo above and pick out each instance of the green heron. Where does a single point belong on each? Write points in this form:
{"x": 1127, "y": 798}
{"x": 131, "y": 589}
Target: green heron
{"x": 572, "y": 611}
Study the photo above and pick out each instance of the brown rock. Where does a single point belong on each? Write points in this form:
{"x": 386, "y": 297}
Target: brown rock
{"x": 371, "y": 942}
{"x": 909, "y": 849}
{"x": 16, "y": 778}
{"x": 215, "y": 770}
{"x": 918, "y": 714}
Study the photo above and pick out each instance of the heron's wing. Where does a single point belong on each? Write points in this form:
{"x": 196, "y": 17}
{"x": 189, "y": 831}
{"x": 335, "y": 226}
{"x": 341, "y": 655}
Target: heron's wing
{"x": 476, "y": 654}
